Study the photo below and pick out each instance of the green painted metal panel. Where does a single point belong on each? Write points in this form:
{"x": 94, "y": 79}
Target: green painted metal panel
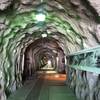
{"x": 86, "y": 60}
{"x": 86, "y": 51}
{"x": 86, "y": 68}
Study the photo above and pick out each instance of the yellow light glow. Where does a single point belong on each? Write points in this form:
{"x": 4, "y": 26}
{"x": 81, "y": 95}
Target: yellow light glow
{"x": 49, "y": 62}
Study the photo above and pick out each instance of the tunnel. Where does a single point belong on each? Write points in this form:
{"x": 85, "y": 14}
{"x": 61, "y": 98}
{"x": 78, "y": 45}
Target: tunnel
{"x": 49, "y": 50}
{"x": 44, "y": 53}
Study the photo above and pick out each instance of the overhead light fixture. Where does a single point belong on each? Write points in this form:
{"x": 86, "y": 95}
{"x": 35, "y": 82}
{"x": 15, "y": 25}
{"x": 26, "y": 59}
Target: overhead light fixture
{"x": 40, "y": 17}
{"x": 44, "y": 35}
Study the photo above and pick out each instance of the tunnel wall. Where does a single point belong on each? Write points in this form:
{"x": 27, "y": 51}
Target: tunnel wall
{"x": 84, "y": 74}
{"x": 86, "y": 85}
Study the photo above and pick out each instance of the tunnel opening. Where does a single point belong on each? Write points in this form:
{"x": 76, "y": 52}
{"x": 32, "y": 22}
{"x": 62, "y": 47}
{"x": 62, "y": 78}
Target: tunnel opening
{"x": 45, "y": 55}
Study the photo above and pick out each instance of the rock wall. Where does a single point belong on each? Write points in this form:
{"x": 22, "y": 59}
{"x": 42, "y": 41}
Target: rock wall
{"x": 86, "y": 85}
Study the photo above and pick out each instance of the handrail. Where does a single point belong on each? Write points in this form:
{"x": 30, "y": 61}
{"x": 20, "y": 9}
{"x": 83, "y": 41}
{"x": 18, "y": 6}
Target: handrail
{"x": 85, "y": 51}
{"x": 86, "y": 68}
{"x": 86, "y": 60}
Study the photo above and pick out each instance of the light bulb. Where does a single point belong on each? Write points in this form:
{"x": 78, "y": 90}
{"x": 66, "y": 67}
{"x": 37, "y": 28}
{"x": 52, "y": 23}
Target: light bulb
{"x": 40, "y": 17}
{"x": 44, "y": 35}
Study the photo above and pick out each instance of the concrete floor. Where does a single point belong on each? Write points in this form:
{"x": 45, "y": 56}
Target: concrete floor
{"x": 44, "y": 87}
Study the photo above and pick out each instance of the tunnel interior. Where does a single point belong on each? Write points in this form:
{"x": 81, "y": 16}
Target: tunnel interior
{"x": 66, "y": 40}
{"x": 43, "y": 53}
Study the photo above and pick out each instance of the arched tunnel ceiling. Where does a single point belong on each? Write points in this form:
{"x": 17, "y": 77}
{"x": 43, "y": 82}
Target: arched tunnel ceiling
{"x": 69, "y": 18}
{"x": 74, "y": 23}
{"x": 43, "y": 46}
{"x": 48, "y": 48}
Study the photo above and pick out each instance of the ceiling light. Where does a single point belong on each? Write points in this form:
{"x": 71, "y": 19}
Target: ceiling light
{"x": 40, "y": 17}
{"x": 44, "y": 35}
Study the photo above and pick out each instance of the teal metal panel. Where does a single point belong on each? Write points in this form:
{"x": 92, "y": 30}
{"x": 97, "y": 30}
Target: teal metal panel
{"x": 86, "y": 60}
{"x": 86, "y": 68}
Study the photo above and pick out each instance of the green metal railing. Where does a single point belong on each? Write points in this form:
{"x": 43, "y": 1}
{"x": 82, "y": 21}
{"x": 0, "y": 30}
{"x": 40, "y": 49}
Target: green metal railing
{"x": 86, "y": 60}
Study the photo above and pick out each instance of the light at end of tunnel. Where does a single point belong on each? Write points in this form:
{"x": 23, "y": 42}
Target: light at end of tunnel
{"x": 44, "y": 35}
{"x": 40, "y": 17}
{"x": 49, "y": 62}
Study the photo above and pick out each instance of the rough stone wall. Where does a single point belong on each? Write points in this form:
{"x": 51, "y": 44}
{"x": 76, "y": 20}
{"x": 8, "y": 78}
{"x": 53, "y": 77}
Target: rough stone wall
{"x": 86, "y": 85}
{"x": 4, "y": 4}
{"x": 96, "y": 5}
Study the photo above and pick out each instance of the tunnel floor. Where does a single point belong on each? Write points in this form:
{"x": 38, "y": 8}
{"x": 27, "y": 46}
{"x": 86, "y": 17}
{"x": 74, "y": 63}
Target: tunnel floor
{"x": 44, "y": 86}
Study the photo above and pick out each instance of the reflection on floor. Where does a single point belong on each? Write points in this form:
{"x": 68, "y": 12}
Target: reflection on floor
{"x": 47, "y": 86}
